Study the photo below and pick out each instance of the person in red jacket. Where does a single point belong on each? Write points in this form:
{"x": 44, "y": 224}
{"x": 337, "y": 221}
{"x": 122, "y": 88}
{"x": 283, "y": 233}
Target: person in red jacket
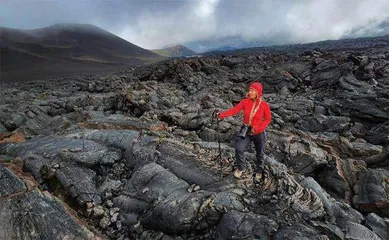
{"x": 256, "y": 118}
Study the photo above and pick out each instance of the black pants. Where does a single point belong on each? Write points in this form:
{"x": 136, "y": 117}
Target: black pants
{"x": 241, "y": 146}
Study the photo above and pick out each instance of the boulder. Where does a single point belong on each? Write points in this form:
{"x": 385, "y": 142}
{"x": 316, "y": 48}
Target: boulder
{"x": 371, "y": 191}
{"x": 378, "y": 225}
{"x": 326, "y": 73}
{"x": 355, "y": 231}
{"x": 238, "y": 225}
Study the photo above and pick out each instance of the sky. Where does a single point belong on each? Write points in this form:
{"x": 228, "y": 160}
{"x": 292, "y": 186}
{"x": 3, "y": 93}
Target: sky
{"x": 207, "y": 24}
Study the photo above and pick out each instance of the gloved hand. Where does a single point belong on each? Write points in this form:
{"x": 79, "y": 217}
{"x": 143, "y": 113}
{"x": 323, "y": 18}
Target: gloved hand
{"x": 216, "y": 114}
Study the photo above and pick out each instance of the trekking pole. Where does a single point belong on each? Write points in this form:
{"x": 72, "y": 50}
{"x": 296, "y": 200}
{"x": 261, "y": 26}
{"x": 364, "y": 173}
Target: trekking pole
{"x": 214, "y": 115}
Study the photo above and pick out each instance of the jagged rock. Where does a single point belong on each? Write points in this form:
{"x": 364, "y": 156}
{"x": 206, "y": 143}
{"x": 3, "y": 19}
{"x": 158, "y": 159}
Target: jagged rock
{"x": 300, "y": 105}
{"x": 159, "y": 182}
{"x": 89, "y": 156}
{"x": 109, "y": 185}
{"x": 35, "y": 215}
{"x": 371, "y": 191}
{"x": 297, "y": 232}
{"x": 303, "y": 200}
{"x": 232, "y": 62}
{"x": 334, "y": 177}
{"x": 10, "y": 184}
{"x": 116, "y": 122}
{"x": 179, "y": 212}
{"x": 362, "y": 148}
{"x": 356, "y": 231}
{"x": 134, "y": 140}
{"x": 34, "y": 163}
{"x": 153, "y": 183}
{"x": 3, "y": 129}
{"x": 327, "y": 201}
{"x": 326, "y": 73}
{"x": 184, "y": 164}
{"x": 358, "y": 129}
{"x": 10, "y": 119}
{"x": 129, "y": 204}
{"x": 361, "y": 109}
{"x": 86, "y": 152}
{"x": 98, "y": 211}
{"x": 332, "y": 231}
{"x": 40, "y": 122}
{"x": 378, "y": 160}
{"x": 379, "y": 134}
{"x": 351, "y": 84}
{"x": 303, "y": 155}
{"x": 78, "y": 183}
{"x": 210, "y": 135}
{"x": 229, "y": 200}
{"x": 141, "y": 151}
{"x": 344, "y": 212}
{"x": 321, "y": 123}
{"x": 115, "y": 138}
{"x": 129, "y": 219}
{"x": 237, "y": 225}
{"x": 30, "y": 214}
{"x": 378, "y": 225}
{"x": 274, "y": 79}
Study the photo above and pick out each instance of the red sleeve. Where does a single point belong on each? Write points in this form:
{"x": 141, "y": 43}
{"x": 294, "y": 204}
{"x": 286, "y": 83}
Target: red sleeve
{"x": 267, "y": 119}
{"x": 232, "y": 111}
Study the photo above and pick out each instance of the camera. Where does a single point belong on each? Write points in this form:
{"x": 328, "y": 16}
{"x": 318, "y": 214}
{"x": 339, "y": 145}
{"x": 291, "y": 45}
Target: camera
{"x": 244, "y": 130}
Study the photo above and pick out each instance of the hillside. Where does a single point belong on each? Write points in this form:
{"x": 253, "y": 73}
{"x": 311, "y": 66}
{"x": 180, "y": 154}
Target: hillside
{"x": 66, "y": 49}
{"x": 176, "y": 51}
{"x": 350, "y": 44}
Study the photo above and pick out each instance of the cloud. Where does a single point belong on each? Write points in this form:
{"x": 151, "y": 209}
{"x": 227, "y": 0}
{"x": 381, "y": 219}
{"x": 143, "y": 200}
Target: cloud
{"x": 300, "y": 21}
{"x": 332, "y": 19}
{"x": 204, "y": 24}
{"x": 195, "y": 20}
{"x": 373, "y": 28}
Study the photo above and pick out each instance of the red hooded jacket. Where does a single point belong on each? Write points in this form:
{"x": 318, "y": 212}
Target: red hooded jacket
{"x": 262, "y": 117}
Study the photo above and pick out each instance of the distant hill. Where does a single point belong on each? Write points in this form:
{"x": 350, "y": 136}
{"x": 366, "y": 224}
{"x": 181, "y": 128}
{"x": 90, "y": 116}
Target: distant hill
{"x": 351, "y": 44}
{"x": 66, "y": 49}
{"x": 176, "y": 51}
{"x": 223, "y": 49}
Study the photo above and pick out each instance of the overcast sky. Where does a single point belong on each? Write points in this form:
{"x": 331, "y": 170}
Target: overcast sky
{"x": 200, "y": 23}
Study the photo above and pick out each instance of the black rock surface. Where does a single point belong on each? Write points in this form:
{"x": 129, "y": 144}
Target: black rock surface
{"x": 135, "y": 155}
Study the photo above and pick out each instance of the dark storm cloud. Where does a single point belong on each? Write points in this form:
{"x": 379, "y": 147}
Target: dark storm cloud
{"x": 30, "y": 14}
{"x": 205, "y": 24}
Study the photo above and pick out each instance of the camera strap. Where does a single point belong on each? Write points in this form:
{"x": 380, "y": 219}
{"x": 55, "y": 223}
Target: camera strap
{"x": 254, "y": 110}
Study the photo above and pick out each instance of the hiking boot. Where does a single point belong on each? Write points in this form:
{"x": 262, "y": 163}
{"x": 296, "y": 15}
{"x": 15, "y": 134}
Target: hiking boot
{"x": 238, "y": 173}
{"x": 258, "y": 177}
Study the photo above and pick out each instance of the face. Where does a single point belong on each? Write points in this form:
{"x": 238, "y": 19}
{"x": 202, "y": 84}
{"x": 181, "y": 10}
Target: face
{"x": 252, "y": 94}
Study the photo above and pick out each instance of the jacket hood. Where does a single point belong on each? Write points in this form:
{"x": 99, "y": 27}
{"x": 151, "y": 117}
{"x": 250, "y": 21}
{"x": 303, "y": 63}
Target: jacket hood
{"x": 257, "y": 87}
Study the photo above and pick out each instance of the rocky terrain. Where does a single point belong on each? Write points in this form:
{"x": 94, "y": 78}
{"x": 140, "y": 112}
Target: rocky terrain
{"x": 363, "y": 44}
{"x": 135, "y": 155}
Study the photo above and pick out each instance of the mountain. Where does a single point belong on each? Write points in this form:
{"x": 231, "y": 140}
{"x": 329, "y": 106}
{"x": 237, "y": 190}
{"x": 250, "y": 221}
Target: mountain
{"x": 176, "y": 51}
{"x": 64, "y": 49}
